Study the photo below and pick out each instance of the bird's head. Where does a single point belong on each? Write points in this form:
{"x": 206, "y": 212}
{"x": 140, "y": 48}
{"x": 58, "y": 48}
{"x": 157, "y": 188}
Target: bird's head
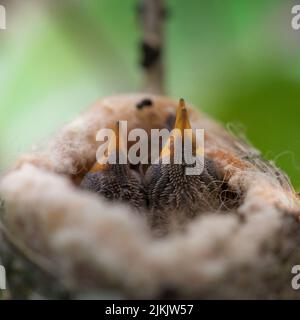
{"x": 171, "y": 191}
{"x": 115, "y": 181}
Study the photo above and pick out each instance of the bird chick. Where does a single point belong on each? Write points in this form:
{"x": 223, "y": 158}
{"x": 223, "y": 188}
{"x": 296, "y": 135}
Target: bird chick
{"x": 116, "y": 182}
{"x": 175, "y": 197}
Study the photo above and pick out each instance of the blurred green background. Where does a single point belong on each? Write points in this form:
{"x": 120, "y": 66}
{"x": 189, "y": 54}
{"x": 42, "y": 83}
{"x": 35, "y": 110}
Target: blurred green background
{"x": 236, "y": 59}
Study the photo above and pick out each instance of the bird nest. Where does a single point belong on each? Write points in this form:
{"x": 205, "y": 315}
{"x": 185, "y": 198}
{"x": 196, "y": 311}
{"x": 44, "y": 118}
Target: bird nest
{"x": 245, "y": 248}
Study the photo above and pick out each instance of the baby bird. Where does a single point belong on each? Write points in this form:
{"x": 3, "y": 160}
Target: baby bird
{"x": 173, "y": 195}
{"x": 116, "y": 182}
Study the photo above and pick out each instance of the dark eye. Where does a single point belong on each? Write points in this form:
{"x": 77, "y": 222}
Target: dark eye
{"x": 107, "y": 194}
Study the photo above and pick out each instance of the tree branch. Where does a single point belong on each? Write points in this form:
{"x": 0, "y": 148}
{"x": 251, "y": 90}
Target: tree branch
{"x": 152, "y": 14}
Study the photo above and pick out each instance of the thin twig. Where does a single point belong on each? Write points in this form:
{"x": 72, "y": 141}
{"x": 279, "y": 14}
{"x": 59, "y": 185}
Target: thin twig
{"x": 152, "y": 15}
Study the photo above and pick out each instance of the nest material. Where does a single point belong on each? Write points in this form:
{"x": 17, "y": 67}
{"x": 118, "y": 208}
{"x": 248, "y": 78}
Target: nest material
{"x": 91, "y": 246}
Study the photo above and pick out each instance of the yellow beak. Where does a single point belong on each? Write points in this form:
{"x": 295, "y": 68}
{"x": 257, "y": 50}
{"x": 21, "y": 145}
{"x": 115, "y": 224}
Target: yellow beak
{"x": 182, "y": 119}
{"x": 182, "y": 123}
{"x": 115, "y": 144}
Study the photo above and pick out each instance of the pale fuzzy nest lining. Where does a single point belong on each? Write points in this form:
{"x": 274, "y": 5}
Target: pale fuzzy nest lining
{"x": 93, "y": 245}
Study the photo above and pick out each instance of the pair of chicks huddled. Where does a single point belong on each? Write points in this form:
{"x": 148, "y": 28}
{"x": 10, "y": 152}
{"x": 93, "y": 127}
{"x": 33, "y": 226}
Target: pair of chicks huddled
{"x": 163, "y": 192}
